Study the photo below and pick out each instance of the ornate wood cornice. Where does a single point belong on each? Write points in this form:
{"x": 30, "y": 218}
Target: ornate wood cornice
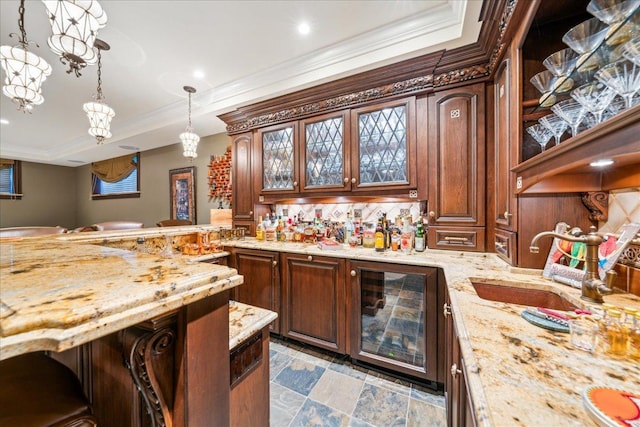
{"x": 421, "y": 75}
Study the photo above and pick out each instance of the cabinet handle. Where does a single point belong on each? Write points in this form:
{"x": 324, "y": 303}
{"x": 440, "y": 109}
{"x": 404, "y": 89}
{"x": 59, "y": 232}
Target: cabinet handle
{"x": 310, "y": 258}
{"x": 455, "y": 371}
{"x": 353, "y": 180}
{"x": 346, "y": 179}
{"x": 446, "y": 310}
{"x": 456, "y": 239}
{"x": 250, "y": 212}
{"x": 275, "y": 263}
{"x": 353, "y": 273}
{"x": 432, "y": 214}
{"x": 507, "y": 214}
{"x": 295, "y": 183}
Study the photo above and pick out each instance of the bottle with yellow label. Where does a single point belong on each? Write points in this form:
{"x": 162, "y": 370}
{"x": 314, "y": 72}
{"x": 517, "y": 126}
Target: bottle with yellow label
{"x": 379, "y": 237}
{"x": 260, "y": 229}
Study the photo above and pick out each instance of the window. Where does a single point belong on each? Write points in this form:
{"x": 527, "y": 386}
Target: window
{"x": 116, "y": 178}
{"x": 10, "y": 171}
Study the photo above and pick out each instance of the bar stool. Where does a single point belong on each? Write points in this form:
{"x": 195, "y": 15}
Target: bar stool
{"x": 37, "y": 391}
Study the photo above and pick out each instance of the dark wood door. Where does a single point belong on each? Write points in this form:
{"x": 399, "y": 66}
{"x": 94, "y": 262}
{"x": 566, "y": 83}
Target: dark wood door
{"x": 457, "y": 157}
{"x": 242, "y": 177}
{"x": 313, "y": 300}
{"x": 261, "y": 285}
{"x": 276, "y": 160}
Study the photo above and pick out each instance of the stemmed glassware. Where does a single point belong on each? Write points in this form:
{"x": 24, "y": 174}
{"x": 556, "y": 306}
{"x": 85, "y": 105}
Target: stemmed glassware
{"x": 632, "y": 50}
{"x": 544, "y": 82}
{"x": 541, "y": 134}
{"x": 571, "y": 112}
{"x": 584, "y": 38}
{"x": 612, "y": 11}
{"x": 556, "y": 124}
{"x": 623, "y": 77}
{"x": 595, "y": 97}
{"x": 561, "y": 64}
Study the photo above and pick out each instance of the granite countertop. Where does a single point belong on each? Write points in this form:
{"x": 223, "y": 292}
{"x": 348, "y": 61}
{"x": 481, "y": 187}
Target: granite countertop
{"x": 518, "y": 374}
{"x": 245, "y": 320}
{"x": 57, "y": 294}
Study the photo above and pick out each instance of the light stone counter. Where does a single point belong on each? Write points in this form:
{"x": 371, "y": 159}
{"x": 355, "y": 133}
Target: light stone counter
{"x": 517, "y": 374}
{"x": 57, "y": 294}
{"x": 245, "y": 320}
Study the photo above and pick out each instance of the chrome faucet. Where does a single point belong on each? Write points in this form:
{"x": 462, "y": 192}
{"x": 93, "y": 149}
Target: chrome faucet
{"x": 592, "y": 287}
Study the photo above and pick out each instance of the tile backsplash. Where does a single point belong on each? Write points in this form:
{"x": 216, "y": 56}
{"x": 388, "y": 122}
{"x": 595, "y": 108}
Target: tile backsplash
{"x": 369, "y": 212}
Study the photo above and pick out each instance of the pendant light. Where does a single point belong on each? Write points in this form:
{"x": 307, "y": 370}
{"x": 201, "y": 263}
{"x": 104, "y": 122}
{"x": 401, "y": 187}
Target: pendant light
{"x": 100, "y": 114}
{"x": 188, "y": 137}
{"x": 25, "y": 71}
{"x": 75, "y": 25}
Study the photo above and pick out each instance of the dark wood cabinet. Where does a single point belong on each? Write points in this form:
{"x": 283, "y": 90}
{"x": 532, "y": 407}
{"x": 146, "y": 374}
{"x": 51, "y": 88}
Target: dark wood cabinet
{"x": 313, "y": 300}
{"x": 460, "y": 411}
{"x": 261, "y": 287}
{"x": 276, "y": 166}
{"x": 394, "y": 318}
{"x": 242, "y": 206}
{"x": 456, "y": 121}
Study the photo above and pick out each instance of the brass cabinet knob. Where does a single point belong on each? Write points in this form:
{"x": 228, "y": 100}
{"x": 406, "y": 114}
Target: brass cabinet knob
{"x": 346, "y": 179}
{"x": 353, "y": 180}
{"x": 250, "y": 212}
{"x": 455, "y": 371}
{"x": 507, "y": 214}
{"x": 310, "y": 258}
{"x": 295, "y": 183}
{"x": 432, "y": 214}
{"x": 275, "y": 263}
{"x": 353, "y": 273}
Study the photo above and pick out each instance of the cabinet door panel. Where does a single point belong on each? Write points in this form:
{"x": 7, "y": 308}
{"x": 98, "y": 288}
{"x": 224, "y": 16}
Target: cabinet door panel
{"x": 456, "y": 159}
{"x": 278, "y": 158}
{"x": 314, "y": 301}
{"x": 242, "y": 177}
{"x": 261, "y": 285}
{"x": 503, "y": 190}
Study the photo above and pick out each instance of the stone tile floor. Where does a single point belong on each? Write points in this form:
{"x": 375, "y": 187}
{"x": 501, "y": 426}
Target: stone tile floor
{"x": 313, "y": 388}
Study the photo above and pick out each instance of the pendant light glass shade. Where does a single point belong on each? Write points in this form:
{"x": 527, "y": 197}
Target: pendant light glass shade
{"x": 188, "y": 137}
{"x": 75, "y": 25}
{"x": 25, "y": 71}
{"x": 99, "y": 113}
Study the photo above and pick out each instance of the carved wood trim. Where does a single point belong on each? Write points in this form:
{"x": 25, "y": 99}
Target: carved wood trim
{"x": 420, "y": 75}
{"x": 150, "y": 358}
{"x": 597, "y": 202}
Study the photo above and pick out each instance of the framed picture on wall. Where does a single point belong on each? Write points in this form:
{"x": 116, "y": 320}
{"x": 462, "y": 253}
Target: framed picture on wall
{"x": 182, "y": 186}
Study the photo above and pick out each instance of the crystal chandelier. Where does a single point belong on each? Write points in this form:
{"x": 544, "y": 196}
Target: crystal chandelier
{"x": 25, "y": 70}
{"x": 75, "y": 25}
{"x": 188, "y": 138}
{"x": 100, "y": 114}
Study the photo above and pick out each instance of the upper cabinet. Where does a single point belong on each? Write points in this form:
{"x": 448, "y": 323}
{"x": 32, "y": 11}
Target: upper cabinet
{"x": 277, "y": 156}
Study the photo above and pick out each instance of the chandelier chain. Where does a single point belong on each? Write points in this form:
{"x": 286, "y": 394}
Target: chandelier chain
{"x": 23, "y": 33}
{"x": 99, "y": 76}
{"x": 189, "y": 110}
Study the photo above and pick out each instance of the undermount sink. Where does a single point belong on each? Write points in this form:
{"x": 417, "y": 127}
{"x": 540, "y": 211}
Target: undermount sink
{"x": 522, "y": 296}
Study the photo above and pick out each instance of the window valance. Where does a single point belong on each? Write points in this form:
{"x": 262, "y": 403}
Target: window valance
{"x": 116, "y": 169}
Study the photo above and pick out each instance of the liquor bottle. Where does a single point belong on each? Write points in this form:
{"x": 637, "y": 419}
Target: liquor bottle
{"x": 420, "y": 243}
{"x": 348, "y": 229}
{"x": 380, "y": 238}
{"x": 260, "y": 229}
{"x": 406, "y": 237}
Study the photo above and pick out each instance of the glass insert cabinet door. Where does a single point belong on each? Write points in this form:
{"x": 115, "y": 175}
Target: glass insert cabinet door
{"x": 395, "y": 317}
{"x": 279, "y": 170}
{"x": 324, "y": 140}
{"x": 385, "y": 145}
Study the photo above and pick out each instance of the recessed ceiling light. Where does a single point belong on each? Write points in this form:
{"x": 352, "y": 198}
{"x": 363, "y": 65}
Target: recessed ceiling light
{"x": 198, "y": 74}
{"x": 4, "y": 121}
{"x": 601, "y": 163}
{"x": 129, "y": 147}
{"x": 304, "y": 28}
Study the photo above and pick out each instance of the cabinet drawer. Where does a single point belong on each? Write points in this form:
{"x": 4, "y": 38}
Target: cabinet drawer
{"x": 460, "y": 238}
{"x": 505, "y": 245}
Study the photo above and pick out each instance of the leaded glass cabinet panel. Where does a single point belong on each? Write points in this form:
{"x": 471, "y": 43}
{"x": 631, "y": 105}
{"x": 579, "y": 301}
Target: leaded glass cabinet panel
{"x": 279, "y": 156}
{"x": 324, "y": 160}
{"x": 385, "y": 145}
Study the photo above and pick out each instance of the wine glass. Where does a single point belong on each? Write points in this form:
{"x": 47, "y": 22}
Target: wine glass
{"x": 541, "y": 134}
{"x": 623, "y": 77}
{"x": 572, "y": 112}
{"x": 556, "y": 124}
{"x": 595, "y": 97}
{"x": 632, "y": 50}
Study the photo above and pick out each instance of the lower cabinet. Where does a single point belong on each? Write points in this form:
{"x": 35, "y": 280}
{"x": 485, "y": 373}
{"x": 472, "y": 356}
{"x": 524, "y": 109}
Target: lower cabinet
{"x": 394, "y": 318}
{"x": 459, "y": 405}
{"x": 313, "y": 300}
{"x": 261, "y": 287}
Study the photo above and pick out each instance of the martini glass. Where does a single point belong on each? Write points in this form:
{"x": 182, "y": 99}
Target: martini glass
{"x": 632, "y": 50}
{"x": 571, "y": 112}
{"x": 612, "y": 11}
{"x": 543, "y": 81}
{"x": 541, "y": 134}
{"x": 595, "y": 97}
{"x": 556, "y": 124}
{"x": 561, "y": 64}
{"x": 623, "y": 77}
{"x": 584, "y": 38}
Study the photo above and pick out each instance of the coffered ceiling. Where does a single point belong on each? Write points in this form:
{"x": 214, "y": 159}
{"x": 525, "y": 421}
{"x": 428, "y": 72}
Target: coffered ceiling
{"x": 247, "y": 51}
